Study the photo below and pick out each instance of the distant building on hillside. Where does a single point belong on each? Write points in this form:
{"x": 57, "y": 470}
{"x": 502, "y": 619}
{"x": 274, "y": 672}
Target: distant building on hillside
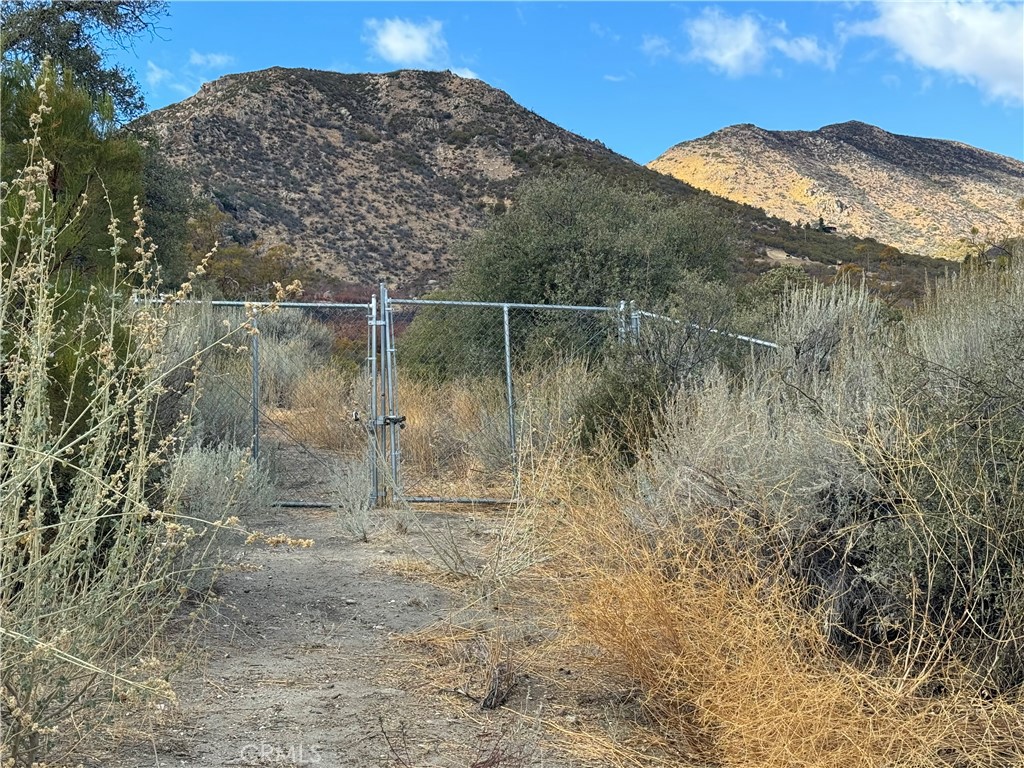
{"x": 821, "y": 226}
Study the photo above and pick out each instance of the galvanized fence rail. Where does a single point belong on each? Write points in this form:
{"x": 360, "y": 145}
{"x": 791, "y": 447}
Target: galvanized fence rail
{"x": 397, "y": 400}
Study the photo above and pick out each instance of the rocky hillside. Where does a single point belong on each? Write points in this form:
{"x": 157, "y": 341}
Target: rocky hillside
{"x": 378, "y": 176}
{"x": 368, "y": 176}
{"x": 920, "y": 195}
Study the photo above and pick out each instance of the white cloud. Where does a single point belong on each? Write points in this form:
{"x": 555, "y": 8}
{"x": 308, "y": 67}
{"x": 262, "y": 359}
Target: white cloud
{"x": 159, "y": 78}
{"x": 209, "y": 60}
{"x": 615, "y": 78}
{"x": 743, "y": 45}
{"x": 733, "y": 45}
{"x": 656, "y": 46}
{"x": 156, "y": 75}
{"x": 980, "y": 43}
{"x": 186, "y": 78}
{"x": 403, "y": 42}
{"x": 465, "y": 72}
{"x": 605, "y": 33}
{"x": 805, "y": 50}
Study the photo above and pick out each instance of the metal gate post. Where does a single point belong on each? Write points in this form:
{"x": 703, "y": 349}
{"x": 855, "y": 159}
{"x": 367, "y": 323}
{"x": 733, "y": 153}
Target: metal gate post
{"x": 254, "y": 345}
{"x": 508, "y": 388}
{"x": 373, "y": 448}
{"x": 634, "y": 322}
{"x": 391, "y": 418}
{"x": 510, "y": 394}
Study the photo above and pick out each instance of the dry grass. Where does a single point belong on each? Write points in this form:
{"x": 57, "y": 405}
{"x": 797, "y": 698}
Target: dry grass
{"x": 727, "y": 660}
{"x": 682, "y": 583}
{"x": 457, "y": 440}
{"x": 457, "y": 436}
{"x": 689, "y": 635}
{"x": 320, "y": 410}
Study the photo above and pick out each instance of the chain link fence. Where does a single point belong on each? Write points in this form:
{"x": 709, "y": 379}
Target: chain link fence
{"x": 284, "y": 381}
{"x": 420, "y": 400}
{"x": 477, "y": 389}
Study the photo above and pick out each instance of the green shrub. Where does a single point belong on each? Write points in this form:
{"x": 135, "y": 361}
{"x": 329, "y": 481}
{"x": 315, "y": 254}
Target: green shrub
{"x": 574, "y": 238}
{"x": 443, "y": 343}
{"x": 657, "y": 357}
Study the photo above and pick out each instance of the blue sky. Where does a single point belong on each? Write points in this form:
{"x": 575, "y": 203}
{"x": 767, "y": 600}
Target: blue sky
{"x": 641, "y": 76}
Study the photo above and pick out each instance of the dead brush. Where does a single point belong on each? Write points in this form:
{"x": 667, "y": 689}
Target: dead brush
{"x": 433, "y": 443}
{"x": 320, "y": 411}
{"x": 471, "y": 660}
{"x": 458, "y": 434}
{"x": 717, "y": 639}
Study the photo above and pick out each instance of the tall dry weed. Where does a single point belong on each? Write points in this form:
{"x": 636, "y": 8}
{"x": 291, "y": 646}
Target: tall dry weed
{"x": 321, "y": 410}
{"x": 458, "y": 430}
{"x": 101, "y": 540}
{"x": 730, "y": 656}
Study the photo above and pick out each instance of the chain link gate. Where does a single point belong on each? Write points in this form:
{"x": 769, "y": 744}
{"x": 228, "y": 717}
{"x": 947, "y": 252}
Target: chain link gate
{"x": 450, "y": 410}
{"x": 312, "y": 388}
{"x": 411, "y": 400}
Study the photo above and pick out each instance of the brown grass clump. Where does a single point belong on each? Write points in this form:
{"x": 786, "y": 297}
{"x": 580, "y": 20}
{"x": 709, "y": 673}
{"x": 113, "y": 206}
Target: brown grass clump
{"x": 320, "y": 411}
{"x": 457, "y": 435}
{"x": 730, "y": 665}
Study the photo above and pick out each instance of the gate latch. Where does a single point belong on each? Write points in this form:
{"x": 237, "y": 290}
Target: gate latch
{"x": 386, "y": 421}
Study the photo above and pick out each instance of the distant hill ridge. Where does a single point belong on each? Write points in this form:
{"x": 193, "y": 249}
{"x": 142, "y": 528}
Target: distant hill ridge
{"x": 920, "y": 195}
{"x": 368, "y": 175}
{"x": 379, "y": 176}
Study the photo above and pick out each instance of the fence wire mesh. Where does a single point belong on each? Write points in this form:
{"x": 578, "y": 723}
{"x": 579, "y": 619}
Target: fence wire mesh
{"x": 419, "y": 400}
{"x": 477, "y": 387}
{"x": 285, "y": 382}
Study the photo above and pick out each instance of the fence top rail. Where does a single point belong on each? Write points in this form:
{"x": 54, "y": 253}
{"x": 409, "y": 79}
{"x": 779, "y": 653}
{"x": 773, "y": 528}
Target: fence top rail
{"x": 499, "y": 304}
{"x": 282, "y": 304}
{"x": 737, "y": 336}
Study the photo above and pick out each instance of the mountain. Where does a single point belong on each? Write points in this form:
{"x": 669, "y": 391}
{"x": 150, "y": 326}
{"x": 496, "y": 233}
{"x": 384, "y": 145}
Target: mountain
{"x": 368, "y": 176}
{"x": 379, "y": 176}
{"x": 920, "y": 195}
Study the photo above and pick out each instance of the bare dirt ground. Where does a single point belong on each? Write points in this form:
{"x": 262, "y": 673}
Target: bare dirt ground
{"x": 355, "y": 653}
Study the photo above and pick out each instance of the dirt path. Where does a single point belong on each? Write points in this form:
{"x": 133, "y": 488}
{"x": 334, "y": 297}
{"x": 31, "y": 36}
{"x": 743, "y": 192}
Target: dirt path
{"x": 303, "y": 663}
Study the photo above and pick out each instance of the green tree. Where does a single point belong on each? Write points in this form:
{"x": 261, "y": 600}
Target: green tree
{"x": 574, "y": 238}
{"x": 95, "y": 171}
{"x": 238, "y": 271}
{"x": 169, "y": 203}
{"x": 73, "y": 33}
{"x": 93, "y": 154}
